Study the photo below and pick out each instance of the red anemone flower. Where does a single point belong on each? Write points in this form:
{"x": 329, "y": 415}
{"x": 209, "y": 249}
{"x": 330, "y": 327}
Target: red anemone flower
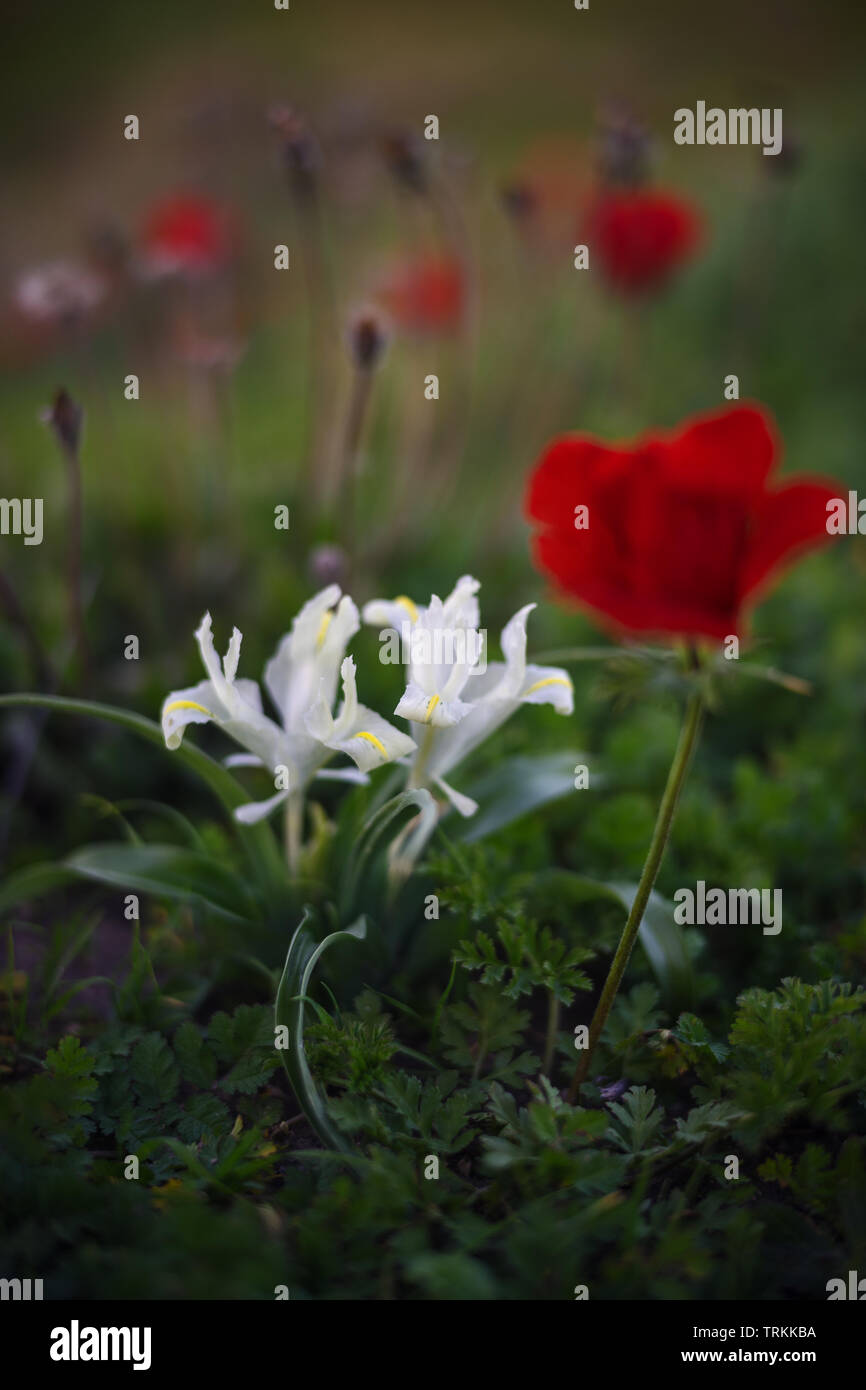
{"x": 188, "y": 234}
{"x": 674, "y": 534}
{"x": 641, "y": 237}
{"x": 426, "y": 296}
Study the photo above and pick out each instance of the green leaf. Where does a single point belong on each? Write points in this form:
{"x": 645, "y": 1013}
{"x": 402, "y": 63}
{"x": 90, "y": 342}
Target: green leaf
{"x": 452, "y": 1275}
{"x": 373, "y": 830}
{"x": 662, "y": 940}
{"x": 258, "y": 840}
{"x": 250, "y": 1073}
{"x": 693, "y": 1032}
{"x": 250, "y": 1026}
{"x": 69, "y": 1059}
{"x": 204, "y": 1114}
{"x": 166, "y": 871}
{"x": 289, "y": 1013}
{"x": 196, "y": 1061}
{"x": 635, "y": 1120}
{"x": 704, "y": 1121}
{"x": 153, "y": 1070}
{"x": 514, "y": 788}
{"x": 71, "y": 1066}
{"x": 34, "y": 881}
{"x": 191, "y": 1161}
{"x": 169, "y": 813}
{"x": 660, "y": 936}
{"x": 131, "y": 996}
{"x": 60, "y": 1002}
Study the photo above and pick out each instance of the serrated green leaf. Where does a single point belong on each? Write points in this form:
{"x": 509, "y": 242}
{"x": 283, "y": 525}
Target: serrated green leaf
{"x": 250, "y": 1073}
{"x": 153, "y": 1070}
{"x": 195, "y": 1059}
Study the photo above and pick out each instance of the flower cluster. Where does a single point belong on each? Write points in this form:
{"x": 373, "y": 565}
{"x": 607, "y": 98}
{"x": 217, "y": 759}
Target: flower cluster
{"x": 448, "y": 716}
{"x": 301, "y": 679}
{"x": 452, "y": 699}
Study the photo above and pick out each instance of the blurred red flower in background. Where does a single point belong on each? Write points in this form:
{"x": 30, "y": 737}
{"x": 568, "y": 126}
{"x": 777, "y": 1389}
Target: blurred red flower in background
{"x": 548, "y": 192}
{"x": 640, "y": 237}
{"x": 188, "y": 234}
{"x": 426, "y": 296}
{"x": 681, "y": 530}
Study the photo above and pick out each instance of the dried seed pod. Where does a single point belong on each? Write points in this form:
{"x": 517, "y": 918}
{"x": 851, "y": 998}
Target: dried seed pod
{"x": 405, "y": 157}
{"x": 367, "y": 337}
{"x": 299, "y": 150}
{"x": 66, "y": 418}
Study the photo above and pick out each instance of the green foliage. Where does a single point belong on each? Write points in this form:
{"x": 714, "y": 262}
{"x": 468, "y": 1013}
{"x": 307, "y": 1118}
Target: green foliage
{"x": 636, "y": 1122}
{"x": 554, "y": 1138}
{"x": 529, "y": 1189}
{"x": 635, "y": 1013}
{"x": 352, "y": 1050}
{"x": 532, "y": 957}
{"x": 483, "y": 1033}
{"x": 693, "y": 1035}
{"x": 799, "y": 1054}
{"x": 70, "y": 1069}
{"x": 244, "y": 1044}
{"x": 432, "y": 1116}
{"x": 528, "y": 1185}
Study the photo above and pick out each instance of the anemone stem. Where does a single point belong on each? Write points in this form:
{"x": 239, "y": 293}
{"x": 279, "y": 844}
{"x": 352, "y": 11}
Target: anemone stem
{"x": 664, "y": 821}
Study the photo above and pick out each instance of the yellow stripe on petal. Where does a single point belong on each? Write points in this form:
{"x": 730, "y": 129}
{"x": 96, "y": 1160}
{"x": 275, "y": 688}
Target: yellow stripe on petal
{"x": 371, "y": 738}
{"x": 323, "y": 627}
{"x": 188, "y": 704}
{"x": 410, "y": 607}
{"x": 549, "y": 680}
{"x": 434, "y": 700}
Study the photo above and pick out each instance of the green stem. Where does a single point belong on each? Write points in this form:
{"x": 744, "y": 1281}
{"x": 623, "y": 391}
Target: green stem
{"x": 664, "y": 821}
{"x": 481, "y": 1054}
{"x": 294, "y": 829}
{"x": 422, "y": 757}
{"x": 349, "y": 481}
{"x": 74, "y": 561}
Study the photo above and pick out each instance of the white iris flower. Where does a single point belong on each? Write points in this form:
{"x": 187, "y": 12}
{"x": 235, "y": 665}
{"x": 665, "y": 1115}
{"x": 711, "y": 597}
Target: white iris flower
{"x": 301, "y": 679}
{"x": 452, "y": 699}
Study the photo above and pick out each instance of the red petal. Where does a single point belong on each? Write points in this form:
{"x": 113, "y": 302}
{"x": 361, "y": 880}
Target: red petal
{"x": 582, "y": 574}
{"x": 726, "y": 451}
{"x": 789, "y": 520}
{"x": 564, "y": 478}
